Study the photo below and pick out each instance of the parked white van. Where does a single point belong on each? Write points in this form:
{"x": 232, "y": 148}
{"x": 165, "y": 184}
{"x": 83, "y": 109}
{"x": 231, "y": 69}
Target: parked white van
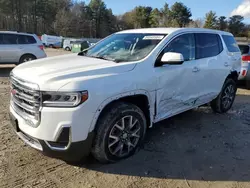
{"x": 104, "y": 99}
{"x": 52, "y": 41}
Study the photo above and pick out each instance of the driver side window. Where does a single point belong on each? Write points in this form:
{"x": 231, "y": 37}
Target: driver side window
{"x": 184, "y": 44}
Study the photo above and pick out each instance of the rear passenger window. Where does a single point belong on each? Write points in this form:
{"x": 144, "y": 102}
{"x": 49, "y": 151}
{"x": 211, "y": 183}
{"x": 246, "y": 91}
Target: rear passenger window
{"x": 9, "y": 39}
{"x": 231, "y": 44}
{"x": 22, "y": 39}
{"x": 25, "y": 39}
{"x": 207, "y": 45}
{"x": 183, "y": 44}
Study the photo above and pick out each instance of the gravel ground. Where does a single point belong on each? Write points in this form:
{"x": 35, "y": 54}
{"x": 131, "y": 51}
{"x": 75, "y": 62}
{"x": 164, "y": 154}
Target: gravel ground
{"x": 196, "y": 149}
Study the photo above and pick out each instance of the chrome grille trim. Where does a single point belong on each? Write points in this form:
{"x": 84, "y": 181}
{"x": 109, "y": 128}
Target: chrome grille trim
{"x": 26, "y": 100}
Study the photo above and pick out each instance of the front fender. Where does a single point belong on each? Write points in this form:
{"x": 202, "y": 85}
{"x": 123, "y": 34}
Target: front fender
{"x": 150, "y": 96}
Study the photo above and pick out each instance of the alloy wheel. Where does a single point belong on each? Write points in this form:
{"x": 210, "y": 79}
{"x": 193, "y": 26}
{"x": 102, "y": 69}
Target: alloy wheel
{"x": 124, "y": 136}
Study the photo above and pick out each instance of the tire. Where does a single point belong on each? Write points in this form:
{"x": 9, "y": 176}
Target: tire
{"x": 26, "y": 58}
{"x": 111, "y": 143}
{"x": 224, "y": 101}
{"x": 67, "y": 49}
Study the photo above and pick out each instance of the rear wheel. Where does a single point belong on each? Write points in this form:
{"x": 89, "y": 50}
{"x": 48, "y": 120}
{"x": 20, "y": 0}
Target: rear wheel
{"x": 120, "y": 131}
{"x": 225, "y": 99}
{"x": 26, "y": 58}
{"x": 67, "y": 49}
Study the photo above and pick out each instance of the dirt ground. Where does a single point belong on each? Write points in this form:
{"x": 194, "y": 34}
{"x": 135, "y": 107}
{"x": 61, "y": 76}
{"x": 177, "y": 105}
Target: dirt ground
{"x": 196, "y": 149}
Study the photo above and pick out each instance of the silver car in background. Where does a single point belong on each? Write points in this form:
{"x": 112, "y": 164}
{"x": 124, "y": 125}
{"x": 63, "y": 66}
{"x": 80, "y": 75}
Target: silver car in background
{"x": 16, "y": 48}
{"x": 245, "y": 70}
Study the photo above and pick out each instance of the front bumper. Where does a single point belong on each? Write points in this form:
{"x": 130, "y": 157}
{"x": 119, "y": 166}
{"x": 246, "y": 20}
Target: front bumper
{"x": 62, "y": 148}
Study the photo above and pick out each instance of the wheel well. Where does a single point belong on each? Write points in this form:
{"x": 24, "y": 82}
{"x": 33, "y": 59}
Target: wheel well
{"x": 27, "y": 55}
{"x": 233, "y": 75}
{"x": 139, "y": 100}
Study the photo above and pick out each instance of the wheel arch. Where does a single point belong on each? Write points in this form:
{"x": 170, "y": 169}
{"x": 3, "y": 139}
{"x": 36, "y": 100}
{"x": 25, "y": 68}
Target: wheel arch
{"x": 140, "y": 98}
{"x": 233, "y": 75}
{"x": 27, "y": 54}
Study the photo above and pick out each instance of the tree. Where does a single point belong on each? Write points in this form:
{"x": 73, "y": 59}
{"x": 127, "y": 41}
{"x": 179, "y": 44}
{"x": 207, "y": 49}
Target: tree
{"x": 197, "y": 23}
{"x": 222, "y": 23}
{"x": 155, "y": 18}
{"x": 236, "y": 25}
{"x": 210, "y": 20}
{"x": 141, "y": 16}
{"x": 180, "y": 14}
{"x": 165, "y": 19}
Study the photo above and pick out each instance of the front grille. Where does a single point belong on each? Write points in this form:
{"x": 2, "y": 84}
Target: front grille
{"x": 26, "y": 100}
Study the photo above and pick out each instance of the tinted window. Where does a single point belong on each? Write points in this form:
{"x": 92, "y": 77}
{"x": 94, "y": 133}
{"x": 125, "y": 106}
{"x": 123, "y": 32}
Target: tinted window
{"x": 183, "y": 44}
{"x": 31, "y": 40}
{"x": 22, "y": 39}
{"x": 1, "y": 38}
{"x": 230, "y": 43}
{"x": 244, "y": 49}
{"x": 207, "y": 45}
{"x": 9, "y": 39}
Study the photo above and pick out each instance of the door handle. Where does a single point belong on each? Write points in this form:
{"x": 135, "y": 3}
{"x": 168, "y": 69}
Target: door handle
{"x": 226, "y": 64}
{"x": 196, "y": 69}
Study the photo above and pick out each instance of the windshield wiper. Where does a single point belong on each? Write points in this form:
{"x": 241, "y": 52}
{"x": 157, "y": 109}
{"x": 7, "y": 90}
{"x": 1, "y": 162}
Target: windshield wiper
{"x": 101, "y": 57}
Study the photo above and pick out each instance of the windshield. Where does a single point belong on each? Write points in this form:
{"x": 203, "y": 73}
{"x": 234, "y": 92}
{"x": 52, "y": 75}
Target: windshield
{"x": 125, "y": 47}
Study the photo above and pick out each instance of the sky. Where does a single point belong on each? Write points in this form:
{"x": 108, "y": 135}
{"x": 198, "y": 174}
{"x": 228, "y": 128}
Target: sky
{"x": 198, "y": 7}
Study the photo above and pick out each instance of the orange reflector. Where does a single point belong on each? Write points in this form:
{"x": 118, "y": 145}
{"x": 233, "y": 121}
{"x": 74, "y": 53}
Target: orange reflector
{"x": 85, "y": 96}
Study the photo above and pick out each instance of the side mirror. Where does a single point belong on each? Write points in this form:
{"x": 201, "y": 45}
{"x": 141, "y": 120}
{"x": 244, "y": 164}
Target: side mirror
{"x": 172, "y": 58}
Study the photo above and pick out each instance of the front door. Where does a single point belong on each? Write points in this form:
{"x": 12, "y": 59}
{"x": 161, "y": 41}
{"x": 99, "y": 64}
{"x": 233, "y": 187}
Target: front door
{"x": 9, "y": 49}
{"x": 177, "y": 89}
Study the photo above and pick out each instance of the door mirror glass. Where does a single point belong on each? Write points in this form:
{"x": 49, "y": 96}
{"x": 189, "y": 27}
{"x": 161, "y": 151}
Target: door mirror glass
{"x": 172, "y": 58}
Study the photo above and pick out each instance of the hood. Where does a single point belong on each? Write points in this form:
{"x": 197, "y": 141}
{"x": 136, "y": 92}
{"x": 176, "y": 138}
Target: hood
{"x": 52, "y": 73}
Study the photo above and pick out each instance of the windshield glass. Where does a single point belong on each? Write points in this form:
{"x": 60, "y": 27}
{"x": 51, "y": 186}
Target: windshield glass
{"x": 125, "y": 47}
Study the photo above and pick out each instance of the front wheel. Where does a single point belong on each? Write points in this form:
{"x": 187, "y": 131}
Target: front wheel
{"x": 224, "y": 101}
{"x": 120, "y": 131}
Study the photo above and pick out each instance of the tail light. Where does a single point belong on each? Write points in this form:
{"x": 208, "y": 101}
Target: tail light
{"x": 41, "y": 47}
{"x": 246, "y": 58}
{"x": 244, "y": 73}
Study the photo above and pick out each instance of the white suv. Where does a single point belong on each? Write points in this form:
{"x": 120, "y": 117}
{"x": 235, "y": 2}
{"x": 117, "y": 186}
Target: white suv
{"x": 103, "y": 99}
{"x": 17, "y": 47}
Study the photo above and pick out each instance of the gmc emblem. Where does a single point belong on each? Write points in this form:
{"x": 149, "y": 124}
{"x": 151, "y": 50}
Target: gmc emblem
{"x": 13, "y": 91}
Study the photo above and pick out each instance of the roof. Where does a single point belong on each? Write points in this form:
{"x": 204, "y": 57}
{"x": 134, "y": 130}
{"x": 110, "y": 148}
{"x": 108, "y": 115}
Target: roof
{"x": 171, "y": 30}
{"x": 15, "y": 32}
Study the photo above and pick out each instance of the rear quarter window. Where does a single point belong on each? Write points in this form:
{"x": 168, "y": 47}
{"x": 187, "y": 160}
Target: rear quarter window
{"x": 244, "y": 49}
{"x": 31, "y": 40}
{"x": 231, "y": 44}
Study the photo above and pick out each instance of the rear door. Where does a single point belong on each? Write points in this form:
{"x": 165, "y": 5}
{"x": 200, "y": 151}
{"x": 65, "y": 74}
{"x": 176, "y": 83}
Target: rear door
{"x": 210, "y": 62}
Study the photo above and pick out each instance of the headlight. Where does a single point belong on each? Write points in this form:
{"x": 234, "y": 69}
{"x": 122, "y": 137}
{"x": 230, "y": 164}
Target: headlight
{"x": 63, "y": 99}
